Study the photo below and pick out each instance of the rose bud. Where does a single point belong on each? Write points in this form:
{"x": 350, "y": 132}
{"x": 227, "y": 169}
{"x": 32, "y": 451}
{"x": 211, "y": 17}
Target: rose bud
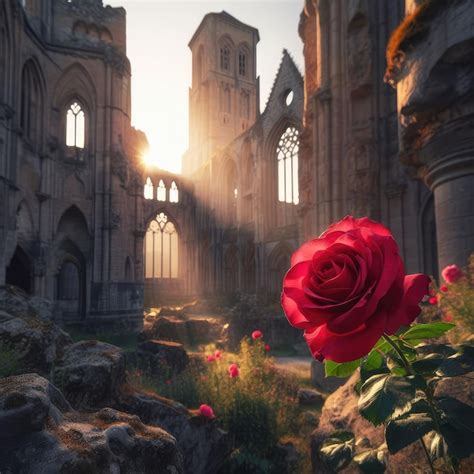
{"x": 206, "y": 411}
{"x": 452, "y": 273}
{"x": 257, "y": 335}
{"x": 234, "y": 371}
{"x": 348, "y": 287}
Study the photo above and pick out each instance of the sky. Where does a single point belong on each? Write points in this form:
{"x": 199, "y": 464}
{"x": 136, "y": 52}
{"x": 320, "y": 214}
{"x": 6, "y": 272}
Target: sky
{"x": 158, "y": 33}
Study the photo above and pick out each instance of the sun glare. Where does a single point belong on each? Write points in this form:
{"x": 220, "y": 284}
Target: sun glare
{"x": 166, "y": 160}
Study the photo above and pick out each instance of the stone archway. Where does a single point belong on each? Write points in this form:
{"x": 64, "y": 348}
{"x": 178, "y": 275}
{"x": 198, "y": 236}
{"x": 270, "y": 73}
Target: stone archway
{"x": 19, "y": 271}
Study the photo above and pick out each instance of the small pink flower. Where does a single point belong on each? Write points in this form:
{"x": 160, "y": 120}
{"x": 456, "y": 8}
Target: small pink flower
{"x": 267, "y": 348}
{"x": 218, "y": 354}
{"x": 443, "y": 288}
{"x": 452, "y": 273}
{"x": 206, "y": 411}
{"x": 433, "y": 300}
{"x": 257, "y": 335}
{"x": 234, "y": 371}
{"x": 448, "y": 317}
{"x": 211, "y": 358}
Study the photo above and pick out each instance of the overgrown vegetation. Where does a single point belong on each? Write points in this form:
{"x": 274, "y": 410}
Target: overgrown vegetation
{"x": 257, "y": 404}
{"x": 413, "y": 28}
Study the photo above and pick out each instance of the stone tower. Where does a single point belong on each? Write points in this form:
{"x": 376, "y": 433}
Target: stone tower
{"x": 224, "y": 96}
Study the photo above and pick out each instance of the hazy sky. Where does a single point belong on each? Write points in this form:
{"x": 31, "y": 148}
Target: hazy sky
{"x": 158, "y": 33}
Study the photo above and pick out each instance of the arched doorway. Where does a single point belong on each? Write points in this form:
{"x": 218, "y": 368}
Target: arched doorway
{"x": 19, "y": 271}
{"x": 70, "y": 289}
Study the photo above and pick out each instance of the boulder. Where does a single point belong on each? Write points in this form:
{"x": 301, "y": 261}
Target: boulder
{"x": 91, "y": 374}
{"x": 157, "y": 356}
{"x": 29, "y": 344}
{"x": 321, "y": 382}
{"x": 186, "y": 331}
{"x": 15, "y": 301}
{"x": 45, "y": 435}
{"x": 308, "y": 396}
{"x": 205, "y": 447}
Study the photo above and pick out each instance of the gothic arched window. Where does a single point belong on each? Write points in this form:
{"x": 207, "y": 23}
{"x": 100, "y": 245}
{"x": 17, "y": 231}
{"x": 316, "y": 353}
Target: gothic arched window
{"x": 242, "y": 63}
{"x": 174, "y": 192}
{"x": 225, "y": 57}
{"x": 148, "y": 189}
{"x": 287, "y": 156}
{"x": 161, "y": 191}
{"x": 69, "y": 282}
{"x": 161, "y": 248}
{"x": 75, "y": 126}
{"x": 31, "y": 102}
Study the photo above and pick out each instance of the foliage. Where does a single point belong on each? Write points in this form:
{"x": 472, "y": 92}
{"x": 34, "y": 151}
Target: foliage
{"x": 455, "y": 302}
{"x": 397, "y": 388}
{"x": 258, "y": 406}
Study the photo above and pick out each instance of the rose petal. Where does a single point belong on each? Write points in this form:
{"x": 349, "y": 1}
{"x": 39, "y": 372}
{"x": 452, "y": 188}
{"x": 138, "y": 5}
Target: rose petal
{"x": 295, "y": 317}
{"x": 415, "y": 287}
{"x": 349, "y": 346}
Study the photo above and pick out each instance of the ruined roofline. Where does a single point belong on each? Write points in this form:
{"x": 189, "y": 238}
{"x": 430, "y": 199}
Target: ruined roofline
{"x": 226, "y": 16}
{"x": 285, "y": 54}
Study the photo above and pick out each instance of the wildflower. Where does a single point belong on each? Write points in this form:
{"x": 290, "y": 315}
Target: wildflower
{"x": 206, "y": 411}
{"x": 443, "y": 288}
{"x": 234, "y": 371}
{"x": 433, "y": 300}
{"x": 448, "y": 317}
{"x": 452, "y": 273}
{"x": 218, "y": 354}
{"x": 211, "y": 358}
{"x": 257, "y": 335}
{"x": 267, "y": 348}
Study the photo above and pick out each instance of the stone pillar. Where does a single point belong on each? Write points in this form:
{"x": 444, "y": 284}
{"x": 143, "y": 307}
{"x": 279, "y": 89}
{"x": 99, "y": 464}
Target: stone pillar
{"x": 434, "y": 75}
{"x": 450, "y": 176}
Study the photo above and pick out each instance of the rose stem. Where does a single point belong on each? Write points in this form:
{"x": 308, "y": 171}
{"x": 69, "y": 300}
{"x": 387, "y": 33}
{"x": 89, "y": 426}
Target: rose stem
{"x": 409, "y": 370}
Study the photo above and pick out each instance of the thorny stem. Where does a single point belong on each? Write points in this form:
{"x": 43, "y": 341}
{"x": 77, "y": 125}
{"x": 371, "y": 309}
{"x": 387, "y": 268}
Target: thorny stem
{"x": 400, "y": 353}
{"x": 427, "y": 455}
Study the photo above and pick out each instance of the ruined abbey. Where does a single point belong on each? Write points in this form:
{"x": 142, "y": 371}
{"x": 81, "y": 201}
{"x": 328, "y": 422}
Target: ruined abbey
{"x": 374, "y": 124}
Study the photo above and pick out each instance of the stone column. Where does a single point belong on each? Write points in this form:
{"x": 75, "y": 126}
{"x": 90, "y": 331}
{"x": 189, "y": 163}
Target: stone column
{"x": 450, "y": 176}
{"x": 434, "y": 75}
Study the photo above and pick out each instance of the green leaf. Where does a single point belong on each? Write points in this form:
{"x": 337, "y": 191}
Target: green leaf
{"x": 409, "y": 426}
{"x": 444, "y": 350}
{"x": 459, "y": 364}
{"x": 373, "y": 361}
{"x": 371, "y": 462}
{"x": 457, "y": 426}
{"x": 334, "y": 369}
{"x": 337, "y": 451}
{"x": 418, "y": 332}
{"x": 427, "y": 365}
{"x": 381, "y": 394}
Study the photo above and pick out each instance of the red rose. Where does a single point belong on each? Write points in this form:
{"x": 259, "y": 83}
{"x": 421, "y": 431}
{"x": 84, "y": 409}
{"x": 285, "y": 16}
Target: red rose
{"x": 234, "y": 371}
{"x": 348, "y": 287}
{"x": 257, "y": 334}
{"x": 433, "y": 300}
{"x": 206, "y": 411}
{"x": 452, "y": 273}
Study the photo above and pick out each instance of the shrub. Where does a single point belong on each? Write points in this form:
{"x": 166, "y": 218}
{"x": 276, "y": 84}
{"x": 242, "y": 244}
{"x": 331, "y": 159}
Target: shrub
{"x": 258, "y": 406}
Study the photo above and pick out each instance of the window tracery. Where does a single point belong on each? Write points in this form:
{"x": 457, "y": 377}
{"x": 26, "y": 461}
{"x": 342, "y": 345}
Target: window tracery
{"x": 174, "y": 192}
{"x": 287, "y": 157}
{"x": 148, "y": 189}
{"x": 161, "y": 191}
{"x": 75, "y": 126}
{"x": 161, "y": 248}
